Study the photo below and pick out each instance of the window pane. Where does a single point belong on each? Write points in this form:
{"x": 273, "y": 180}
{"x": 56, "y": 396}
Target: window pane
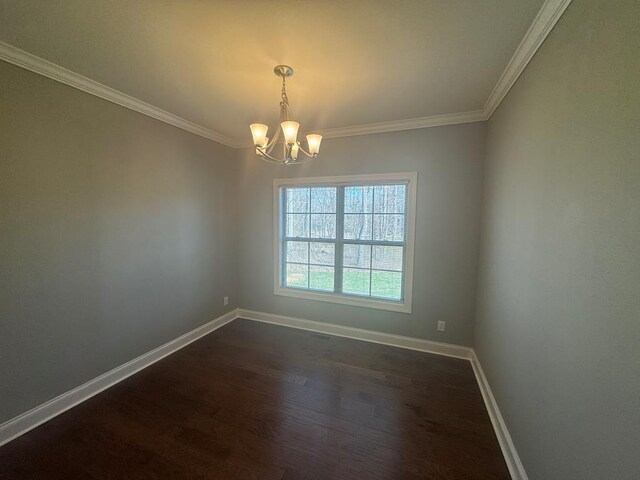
{"x": 386, "y": 285}
{"x": 357, "y": 256}
{"x": 355, "y": 282}
{"x": 297, "y": 200}
{"x": 297, "y": 225}
{"x": 387, "y": 258}
{"x": 389, "y": 198}
{"x": 323, "y": 225}
{"x": 323, "y": 200}
{"x": 388, "y": 227}
{"x": 357, "y": 227}
{"x": 372, "y": 242}
{"x": 358, "y": 199}
{"x": 321, "y": 278}
{"x": 298, "y": 252}
{"x": 297, "y": 275}
{"x": 322, "y": 253}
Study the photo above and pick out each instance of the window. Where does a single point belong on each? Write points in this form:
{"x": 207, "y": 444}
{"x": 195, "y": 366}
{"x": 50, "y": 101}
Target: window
{"x": 346, "y": 239}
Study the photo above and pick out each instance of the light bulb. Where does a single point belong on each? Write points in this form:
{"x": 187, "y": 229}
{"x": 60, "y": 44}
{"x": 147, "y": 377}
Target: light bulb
{"x": 314, "y": 143}
{"x": 290, "y": 130}
{"x": 259, "y": 133}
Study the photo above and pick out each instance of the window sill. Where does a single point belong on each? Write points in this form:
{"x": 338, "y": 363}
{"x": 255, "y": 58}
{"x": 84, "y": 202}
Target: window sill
{"x": 366, "y": 302}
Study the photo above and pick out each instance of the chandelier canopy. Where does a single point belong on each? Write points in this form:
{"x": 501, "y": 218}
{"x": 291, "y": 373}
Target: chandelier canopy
{"x": 291, "y": 147}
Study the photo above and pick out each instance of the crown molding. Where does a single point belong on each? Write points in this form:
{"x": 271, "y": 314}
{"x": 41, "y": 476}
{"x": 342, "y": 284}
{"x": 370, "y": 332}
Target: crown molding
{"x": 31, "y": 62}
{"x": 408, "y": 124}
{"x": 547, "y": 17}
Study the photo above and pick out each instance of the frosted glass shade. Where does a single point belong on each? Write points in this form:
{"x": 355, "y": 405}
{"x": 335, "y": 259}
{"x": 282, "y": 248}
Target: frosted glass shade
{"x": 294, "y": 151}
{"x": 290, "y": 130}
{"x": 259, "y": 133}
{"x": 314, "y": 143}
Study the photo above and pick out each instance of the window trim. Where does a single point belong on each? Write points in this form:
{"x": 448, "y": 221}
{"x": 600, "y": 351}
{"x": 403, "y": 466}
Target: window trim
{"x": 404, "y": 306}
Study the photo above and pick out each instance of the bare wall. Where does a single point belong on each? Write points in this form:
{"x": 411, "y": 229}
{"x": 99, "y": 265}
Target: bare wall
{"x": 449, "y": 165}
{"x": 117, "y": 234}
{"x": 558, "y": 324}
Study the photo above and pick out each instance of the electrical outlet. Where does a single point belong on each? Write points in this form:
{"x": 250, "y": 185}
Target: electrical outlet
{"x": 441, "y": 325}
{"x": 226, "y": 300}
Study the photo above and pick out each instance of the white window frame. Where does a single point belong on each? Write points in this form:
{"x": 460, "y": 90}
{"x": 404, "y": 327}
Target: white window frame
{"x": 404, "y": 305}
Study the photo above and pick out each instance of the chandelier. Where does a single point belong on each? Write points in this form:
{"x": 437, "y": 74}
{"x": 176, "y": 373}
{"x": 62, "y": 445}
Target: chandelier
{"x": 291, "y": 147}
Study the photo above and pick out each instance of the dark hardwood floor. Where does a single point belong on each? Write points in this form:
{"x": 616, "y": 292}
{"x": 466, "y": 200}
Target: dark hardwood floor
{"x": 258, "y": 401}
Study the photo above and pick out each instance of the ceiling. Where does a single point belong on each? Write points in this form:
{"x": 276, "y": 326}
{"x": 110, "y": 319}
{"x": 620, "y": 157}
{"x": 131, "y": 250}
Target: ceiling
{"x": 210, "y": 62}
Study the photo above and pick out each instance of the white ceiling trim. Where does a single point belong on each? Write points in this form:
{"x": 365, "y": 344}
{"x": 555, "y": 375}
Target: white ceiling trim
{"x": 547, "y": 17}
{"x": 39, "y": 65}
{"x": 408, "y": 124}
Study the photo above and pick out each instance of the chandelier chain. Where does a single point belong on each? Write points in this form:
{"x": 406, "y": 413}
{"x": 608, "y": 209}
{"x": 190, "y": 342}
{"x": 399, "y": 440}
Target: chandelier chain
{"x": 284, "y": 103}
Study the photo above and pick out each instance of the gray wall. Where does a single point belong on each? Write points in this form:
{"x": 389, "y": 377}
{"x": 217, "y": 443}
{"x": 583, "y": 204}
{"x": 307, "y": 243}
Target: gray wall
{"x": 117, "y": 234}
{"x": 558, "y": 325}
{"x": 449, "y": 165}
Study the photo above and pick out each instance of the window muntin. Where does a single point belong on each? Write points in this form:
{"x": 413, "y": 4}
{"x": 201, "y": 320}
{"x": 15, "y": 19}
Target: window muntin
{"x": 344, "y": 240}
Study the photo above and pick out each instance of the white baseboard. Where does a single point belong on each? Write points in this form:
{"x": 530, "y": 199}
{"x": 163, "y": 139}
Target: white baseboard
{"x": 29, "y": 420}
{"x": 411, "y": 343}
{"x": 42, "y": 413}
{"x": 504, "y": 438}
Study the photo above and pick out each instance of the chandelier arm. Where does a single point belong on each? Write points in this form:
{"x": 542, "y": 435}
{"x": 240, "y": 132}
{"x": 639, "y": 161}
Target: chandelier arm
{"x": 312, "y": 155}
{"x": 304, "y": 160}
{"x": 265, "y": 156}
{"x": 273, "y": 141}
{"x": 274, "y": 162}
{"x": 287, "y": 160}
{"x": 271, "y": 160}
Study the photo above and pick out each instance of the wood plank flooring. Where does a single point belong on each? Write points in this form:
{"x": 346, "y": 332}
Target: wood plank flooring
{"x": 258, "y": 401}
